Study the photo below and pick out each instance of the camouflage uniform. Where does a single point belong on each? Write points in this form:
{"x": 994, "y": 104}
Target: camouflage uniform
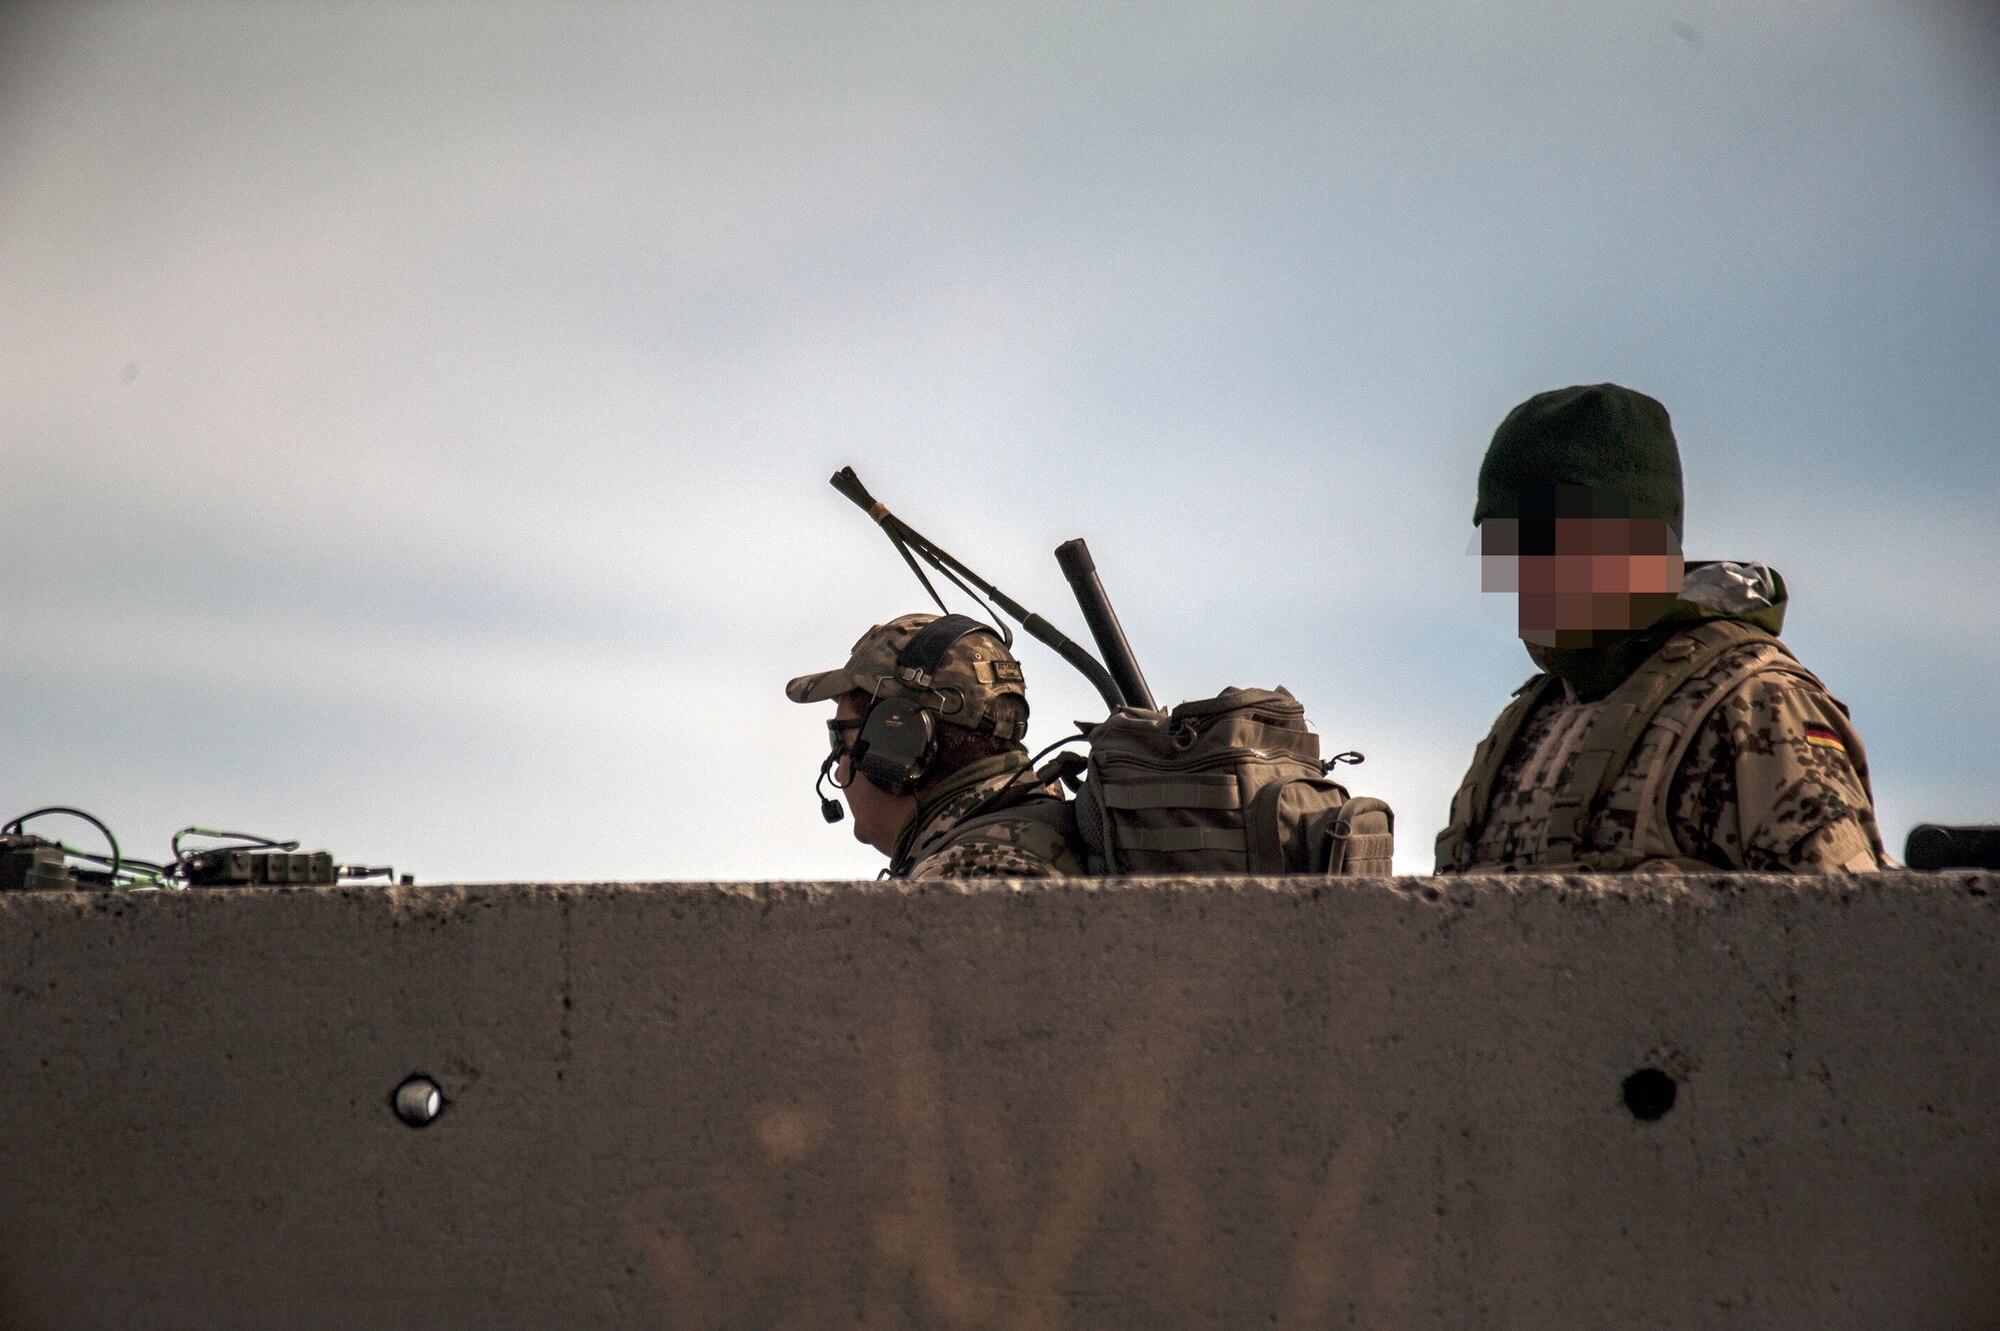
{"x": 1007, "y": 842}
{"x": 1016, "y": 824}
{"x": 1750, "y": 764}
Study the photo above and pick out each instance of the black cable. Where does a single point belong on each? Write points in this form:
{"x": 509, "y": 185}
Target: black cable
{"x": 1039, "y": 628}
{"x": 92, "y": 819}
{"x": 904, "y": 540}
{"x": 993, "y": 616}
{"x": 1008, "y": 785}
{"x": 248, "y": 839}
{"x": 910, "y": 559}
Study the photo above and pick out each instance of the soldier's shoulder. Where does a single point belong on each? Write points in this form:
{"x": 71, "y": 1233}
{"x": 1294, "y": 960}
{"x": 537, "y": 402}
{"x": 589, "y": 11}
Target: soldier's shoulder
{"x": 1759, "y": 671}
{"x": 1025, "y": 841}
{"x": 1786, "y": 715}
{"x": 1768, "y": 679}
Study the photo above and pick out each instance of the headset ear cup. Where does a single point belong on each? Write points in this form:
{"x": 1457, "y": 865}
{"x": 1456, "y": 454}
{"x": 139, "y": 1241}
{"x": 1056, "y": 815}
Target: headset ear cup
{"x": 895, "y": 744}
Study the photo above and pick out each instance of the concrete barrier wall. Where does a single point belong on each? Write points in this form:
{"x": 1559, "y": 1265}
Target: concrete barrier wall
{"x": 1145, "y": 1104}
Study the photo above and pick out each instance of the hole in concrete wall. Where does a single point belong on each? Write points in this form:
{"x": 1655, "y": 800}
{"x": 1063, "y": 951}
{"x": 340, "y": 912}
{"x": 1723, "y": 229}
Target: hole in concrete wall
{"x": 418, "y": 1101}
{"x": 1649, "y": 1094}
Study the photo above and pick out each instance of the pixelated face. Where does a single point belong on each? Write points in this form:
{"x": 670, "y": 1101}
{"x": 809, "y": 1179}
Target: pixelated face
{"x": 1579, "y": 580}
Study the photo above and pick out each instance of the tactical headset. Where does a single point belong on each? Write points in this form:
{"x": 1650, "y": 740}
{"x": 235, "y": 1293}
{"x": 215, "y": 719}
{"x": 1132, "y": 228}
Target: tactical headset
{"x": 897, "y": 740}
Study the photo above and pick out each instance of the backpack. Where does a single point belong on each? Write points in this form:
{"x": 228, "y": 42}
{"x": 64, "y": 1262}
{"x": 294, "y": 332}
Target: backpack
{"x": 1232, "y": 784}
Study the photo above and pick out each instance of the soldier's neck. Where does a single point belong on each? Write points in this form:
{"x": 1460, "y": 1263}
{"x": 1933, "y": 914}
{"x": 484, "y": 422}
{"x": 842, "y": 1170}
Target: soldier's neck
{"x": 932, "y": 798}
{"x": 1590, "y": 673}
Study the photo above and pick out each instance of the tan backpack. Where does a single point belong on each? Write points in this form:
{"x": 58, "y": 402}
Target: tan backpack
{"x": 1232, "y": 784}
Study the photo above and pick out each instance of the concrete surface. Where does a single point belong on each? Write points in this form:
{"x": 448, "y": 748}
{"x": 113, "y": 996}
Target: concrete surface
{"x": 1175, "y": 1103}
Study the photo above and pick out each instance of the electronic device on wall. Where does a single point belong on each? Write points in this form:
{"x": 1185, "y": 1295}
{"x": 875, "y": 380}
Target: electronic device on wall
{"x": 35, "y": 863}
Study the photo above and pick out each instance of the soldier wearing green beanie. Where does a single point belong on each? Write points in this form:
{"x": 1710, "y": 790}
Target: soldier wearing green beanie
{"x": 1669, "y": 730}
{"x": 1600, "y": 438}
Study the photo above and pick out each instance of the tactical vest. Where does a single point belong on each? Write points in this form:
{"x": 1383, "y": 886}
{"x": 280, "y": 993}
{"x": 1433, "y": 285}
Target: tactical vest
{"x": 1605, "y": 752}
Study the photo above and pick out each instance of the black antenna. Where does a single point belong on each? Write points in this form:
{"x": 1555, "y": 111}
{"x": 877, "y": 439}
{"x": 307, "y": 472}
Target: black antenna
{"x": 1081, "y": 570}
{"x": 907, "y": 539}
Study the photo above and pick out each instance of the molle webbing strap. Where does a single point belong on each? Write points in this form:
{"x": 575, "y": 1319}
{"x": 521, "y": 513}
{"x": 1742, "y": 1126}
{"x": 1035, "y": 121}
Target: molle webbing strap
{"x": 1486, "y": 765}
{"x": 1283, "y": 739}
{"x": 1173, "y": 840}
{"x": 1622, "y": 721}
{"x": 1190, "y": 792}
{"x": 1088, "y": 816}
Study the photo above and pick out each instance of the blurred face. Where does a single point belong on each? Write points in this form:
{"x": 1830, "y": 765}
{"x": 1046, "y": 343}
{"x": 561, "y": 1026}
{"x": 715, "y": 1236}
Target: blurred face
{"x": 879, "y": 817}
{"x": 1579, "y": 581}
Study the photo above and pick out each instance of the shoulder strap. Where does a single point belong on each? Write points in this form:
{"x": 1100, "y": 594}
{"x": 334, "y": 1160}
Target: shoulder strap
{"x": 1659, "y": 790}
{"x": 1455, "y": 843}
{"x": 1622, "y": 720}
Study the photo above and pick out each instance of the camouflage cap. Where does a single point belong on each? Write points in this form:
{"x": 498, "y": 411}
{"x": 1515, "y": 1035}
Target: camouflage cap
{"x": 977, "y": 670}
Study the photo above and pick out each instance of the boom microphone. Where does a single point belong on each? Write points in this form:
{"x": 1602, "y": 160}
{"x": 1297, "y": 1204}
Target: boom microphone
{"x": 829, "y": 809}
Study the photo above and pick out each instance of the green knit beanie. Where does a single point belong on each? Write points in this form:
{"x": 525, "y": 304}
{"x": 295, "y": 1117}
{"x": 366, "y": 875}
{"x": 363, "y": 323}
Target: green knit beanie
{"x": 1610, "y": 439}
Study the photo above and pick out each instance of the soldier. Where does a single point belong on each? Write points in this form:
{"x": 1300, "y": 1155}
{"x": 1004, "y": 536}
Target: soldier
{"x": 1670, "y": 730}
{"x": 929, "y": 714}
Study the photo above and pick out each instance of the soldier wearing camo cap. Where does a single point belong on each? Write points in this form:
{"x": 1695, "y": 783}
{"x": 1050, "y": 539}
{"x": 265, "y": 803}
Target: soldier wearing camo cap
{"x": 926, "y": 748}
{"x": 1670, "y": 730}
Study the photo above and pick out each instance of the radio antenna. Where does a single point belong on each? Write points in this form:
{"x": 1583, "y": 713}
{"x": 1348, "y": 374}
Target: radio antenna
{"x": 913, "y": 545}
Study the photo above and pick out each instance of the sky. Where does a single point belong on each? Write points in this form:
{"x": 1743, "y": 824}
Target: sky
{"x": 415, "y": 419}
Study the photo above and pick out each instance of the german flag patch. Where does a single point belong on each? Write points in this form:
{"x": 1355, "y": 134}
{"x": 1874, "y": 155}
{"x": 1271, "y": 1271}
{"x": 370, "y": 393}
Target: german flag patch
{"x": 1820, "y": 737}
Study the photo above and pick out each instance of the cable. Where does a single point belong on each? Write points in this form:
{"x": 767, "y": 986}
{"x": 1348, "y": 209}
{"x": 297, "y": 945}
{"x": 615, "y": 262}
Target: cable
{"x": 249, "y": 839}
{"x": 904, "y": 550}
{"x": 942, "y": 561}
{"x": 905, "y": 539}
{"x": 126, "y": 864}
{"x": 932, "y": 555}
{"x": 117, "y": 861}
{"x": 1008, "y": 785}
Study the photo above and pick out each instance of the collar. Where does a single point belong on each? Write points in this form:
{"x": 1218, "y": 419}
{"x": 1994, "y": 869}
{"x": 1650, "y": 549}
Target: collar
{"x": 944, "y": 805}
{"x": 1712, "y": 589}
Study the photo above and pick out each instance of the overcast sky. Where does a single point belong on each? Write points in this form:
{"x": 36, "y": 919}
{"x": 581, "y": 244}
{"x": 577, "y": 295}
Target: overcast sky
{"x": 416, "y": 418}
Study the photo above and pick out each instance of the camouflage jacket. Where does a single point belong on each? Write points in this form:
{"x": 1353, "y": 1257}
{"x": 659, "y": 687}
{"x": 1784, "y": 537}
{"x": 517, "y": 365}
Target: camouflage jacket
{"x": 935, "y": 845}
{"x": 1750, "y": 764}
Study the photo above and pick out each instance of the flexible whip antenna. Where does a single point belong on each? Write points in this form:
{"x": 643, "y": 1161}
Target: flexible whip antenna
{"x": 907, "y": 539}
